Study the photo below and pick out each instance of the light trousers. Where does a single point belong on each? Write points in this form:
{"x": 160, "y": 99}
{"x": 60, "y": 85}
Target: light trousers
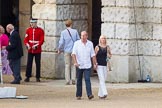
{"x": 102, "y": 75}
{"x": 70, "y": 69}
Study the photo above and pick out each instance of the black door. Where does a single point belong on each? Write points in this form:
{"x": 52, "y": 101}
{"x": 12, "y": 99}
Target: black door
{"x": 9, "y": 12}
{"x": 96, "y": 21}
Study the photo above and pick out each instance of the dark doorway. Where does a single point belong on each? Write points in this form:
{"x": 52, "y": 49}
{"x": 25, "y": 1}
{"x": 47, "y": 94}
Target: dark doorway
{"x": 96, "y": 21}
{"x": 9, "y": 12}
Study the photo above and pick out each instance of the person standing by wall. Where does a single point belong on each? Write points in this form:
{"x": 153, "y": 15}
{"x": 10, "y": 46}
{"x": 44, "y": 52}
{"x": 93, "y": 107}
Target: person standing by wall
{"x": 33, "y": 41}
{"x": 15, "y": 52}
{"x": 82, "y": 53}
{"x": 103, "y": 53}
{"x": 4, "y": 40}
{"x": 66, "y": 42}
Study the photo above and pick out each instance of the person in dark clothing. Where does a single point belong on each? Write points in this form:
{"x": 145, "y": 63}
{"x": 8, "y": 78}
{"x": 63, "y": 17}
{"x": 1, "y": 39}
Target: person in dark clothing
{"x": 15, "y": 52}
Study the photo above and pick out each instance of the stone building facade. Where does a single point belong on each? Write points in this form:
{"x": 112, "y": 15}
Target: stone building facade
{"x": 133, "y": 29}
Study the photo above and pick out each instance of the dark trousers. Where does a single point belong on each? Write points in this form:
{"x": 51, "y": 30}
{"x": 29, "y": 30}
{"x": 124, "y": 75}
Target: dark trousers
{"x": 15, "y": 67}
{"x": 87, "y": 73}
{"x": 30, "y": 63}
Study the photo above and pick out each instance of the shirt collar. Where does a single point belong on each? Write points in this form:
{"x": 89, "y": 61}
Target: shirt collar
{"x": 68, "y": 28}
{"x": 11, "y": 31}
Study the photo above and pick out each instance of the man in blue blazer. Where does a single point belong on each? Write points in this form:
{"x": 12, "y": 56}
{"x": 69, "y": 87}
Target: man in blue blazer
{"x": 15, "y": 52}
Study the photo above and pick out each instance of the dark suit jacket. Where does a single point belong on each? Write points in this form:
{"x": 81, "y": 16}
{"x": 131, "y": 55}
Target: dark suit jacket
{"x": 15, "y": 50}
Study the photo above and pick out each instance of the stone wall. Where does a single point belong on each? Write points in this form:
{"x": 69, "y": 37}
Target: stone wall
{"x": 24, "y": 16}
{"x": 51, "y": 15}
{"x": 135, "y": 54}
{"x": 118, "y": 17}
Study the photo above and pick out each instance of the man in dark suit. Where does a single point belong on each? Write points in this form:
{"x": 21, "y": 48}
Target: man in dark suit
{"x": 15, "y": 52}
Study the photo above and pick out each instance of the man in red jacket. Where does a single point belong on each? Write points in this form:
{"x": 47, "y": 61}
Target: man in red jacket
{"x": 33, "y": 41}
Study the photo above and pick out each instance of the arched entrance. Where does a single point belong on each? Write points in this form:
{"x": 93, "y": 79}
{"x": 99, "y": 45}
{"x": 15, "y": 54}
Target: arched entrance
{"x": 18, "y": 13}
{"x": 9, "y": 12}
{"x": 96, "y": 21}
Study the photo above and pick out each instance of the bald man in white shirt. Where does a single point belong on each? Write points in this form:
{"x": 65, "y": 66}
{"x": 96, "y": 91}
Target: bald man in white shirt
{"x": 82, "y": 53}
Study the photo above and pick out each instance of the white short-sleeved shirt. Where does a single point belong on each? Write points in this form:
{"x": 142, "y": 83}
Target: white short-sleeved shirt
{"x": 84, "y": 53}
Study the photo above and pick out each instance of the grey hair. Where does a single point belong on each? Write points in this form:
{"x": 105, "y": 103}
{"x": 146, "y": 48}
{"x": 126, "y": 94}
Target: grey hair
{"x": 10, "y": 26}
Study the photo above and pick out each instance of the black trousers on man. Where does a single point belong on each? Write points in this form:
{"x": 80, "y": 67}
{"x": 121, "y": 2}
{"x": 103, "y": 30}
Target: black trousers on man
{"x": 15, "y": 65}
{"x": 30, "y": 63}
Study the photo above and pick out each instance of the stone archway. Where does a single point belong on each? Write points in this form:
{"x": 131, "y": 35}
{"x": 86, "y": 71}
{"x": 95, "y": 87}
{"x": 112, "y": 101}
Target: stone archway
{"x": 53, "y": 23}
{"x": 18, "y": 13}
{"x": 25, "y": 11}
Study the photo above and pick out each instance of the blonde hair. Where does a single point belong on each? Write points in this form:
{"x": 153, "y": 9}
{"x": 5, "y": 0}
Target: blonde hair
{"x": 2, "y": 30}
{"x": 68, "y": 23}
{"x": 102, "y": 36}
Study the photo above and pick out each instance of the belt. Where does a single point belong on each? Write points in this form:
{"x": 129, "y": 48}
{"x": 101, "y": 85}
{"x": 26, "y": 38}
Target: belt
{"x": 32, "y": 41}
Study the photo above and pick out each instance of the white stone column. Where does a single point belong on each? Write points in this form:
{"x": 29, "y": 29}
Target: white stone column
{"x": 51, "y": 15}
{"x": 119, "y": 27}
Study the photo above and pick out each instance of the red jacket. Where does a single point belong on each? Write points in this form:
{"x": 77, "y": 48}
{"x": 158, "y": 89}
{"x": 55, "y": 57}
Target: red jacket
{"x": 34, "y": 37}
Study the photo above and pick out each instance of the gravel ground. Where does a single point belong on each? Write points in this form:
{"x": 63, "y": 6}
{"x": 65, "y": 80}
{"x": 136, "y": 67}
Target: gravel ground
{"x": 55, "y": 94}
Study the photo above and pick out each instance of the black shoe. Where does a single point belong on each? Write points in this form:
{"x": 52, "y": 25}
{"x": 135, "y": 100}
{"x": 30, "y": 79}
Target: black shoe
{"x": 104, "y": 97}
{"x": 90, "y": 97}
{"x": 78, "y": 98}
{"x": 38, "y": 80}
{"x": 67, "y": 83}
{"x": 15, "y": 82}
{"x": 27, "y": 80}
{"x": 73, "y": 82}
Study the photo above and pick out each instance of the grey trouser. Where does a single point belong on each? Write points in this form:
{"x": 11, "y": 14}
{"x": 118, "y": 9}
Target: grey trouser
{"x": 70, "y": 70}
